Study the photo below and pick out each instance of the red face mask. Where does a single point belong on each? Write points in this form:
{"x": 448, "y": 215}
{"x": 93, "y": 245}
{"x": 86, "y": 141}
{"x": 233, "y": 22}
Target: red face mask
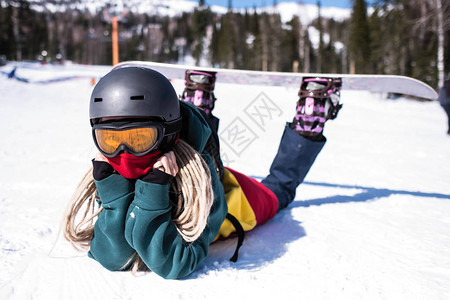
{"x": 133, "y": 167}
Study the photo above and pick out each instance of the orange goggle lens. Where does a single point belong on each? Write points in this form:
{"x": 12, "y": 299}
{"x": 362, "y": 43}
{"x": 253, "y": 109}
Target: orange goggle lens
{"x": 137, "y": 139}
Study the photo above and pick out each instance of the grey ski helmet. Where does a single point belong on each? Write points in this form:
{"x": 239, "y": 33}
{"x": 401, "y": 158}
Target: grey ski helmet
{"x": 134, "y": 92}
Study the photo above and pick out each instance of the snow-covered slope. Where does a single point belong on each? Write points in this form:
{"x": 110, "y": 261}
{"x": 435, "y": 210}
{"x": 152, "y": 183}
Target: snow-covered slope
{"x": 372, "y": 220}
{"x": 309, "y": 12}
{"x": 287, "y": 10}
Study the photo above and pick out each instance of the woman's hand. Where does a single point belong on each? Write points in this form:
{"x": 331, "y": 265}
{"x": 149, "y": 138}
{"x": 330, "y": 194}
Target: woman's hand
{"x": 167, "y": 163}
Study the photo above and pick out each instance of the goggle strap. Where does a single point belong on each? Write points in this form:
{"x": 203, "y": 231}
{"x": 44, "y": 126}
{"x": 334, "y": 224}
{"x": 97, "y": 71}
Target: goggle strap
{"x": 173, "y": 126}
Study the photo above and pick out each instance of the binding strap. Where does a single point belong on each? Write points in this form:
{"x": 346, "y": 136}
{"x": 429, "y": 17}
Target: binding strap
{"x": 240, "y": 232}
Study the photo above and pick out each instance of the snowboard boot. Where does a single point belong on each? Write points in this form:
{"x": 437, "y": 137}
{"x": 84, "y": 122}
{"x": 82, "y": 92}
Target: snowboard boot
{"x": 318, "y": 102}
{"x": 199, "y": 90}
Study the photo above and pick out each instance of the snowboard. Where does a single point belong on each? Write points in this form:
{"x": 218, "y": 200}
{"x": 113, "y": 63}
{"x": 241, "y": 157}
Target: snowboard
{"x": 373, "y": 83}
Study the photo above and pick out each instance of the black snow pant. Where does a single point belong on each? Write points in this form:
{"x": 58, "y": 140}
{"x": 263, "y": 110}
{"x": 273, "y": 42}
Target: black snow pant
{"x": 292, "y": 162}
{"x": 446, "y": 107}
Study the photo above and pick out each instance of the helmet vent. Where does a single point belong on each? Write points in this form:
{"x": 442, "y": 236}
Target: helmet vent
{"x": 140, "y": 97}
{"x": 98, "y": 99}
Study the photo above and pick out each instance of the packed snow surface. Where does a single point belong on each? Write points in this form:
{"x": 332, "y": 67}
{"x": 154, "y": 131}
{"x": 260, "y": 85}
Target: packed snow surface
{"x": 371, "y": 220}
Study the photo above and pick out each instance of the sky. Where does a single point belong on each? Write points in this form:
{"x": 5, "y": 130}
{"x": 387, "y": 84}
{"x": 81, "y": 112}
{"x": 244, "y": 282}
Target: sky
{"x": 260, "y": 3}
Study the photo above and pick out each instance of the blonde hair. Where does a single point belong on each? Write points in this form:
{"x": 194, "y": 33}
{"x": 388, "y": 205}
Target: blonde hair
{"x": 193, "y": 200}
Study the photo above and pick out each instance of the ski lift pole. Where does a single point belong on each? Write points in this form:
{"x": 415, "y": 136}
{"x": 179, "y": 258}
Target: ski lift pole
{"x": 115, "y": 41}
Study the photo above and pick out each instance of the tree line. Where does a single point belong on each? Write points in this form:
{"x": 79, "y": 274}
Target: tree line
{"x": 404, "y": 37}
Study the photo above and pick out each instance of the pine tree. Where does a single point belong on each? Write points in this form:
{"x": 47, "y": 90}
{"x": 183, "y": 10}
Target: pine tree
{"x": 200, "y": 20}
{"x": 409, "y": 40}
{"x": 225, "y": 50}
{"x": 256, "y": 46}
{"x": 321, "y": 52}
{"x": 7, "y": 38}
{"x": 214, "y": 46}
{"x": 359, "y": 44}
{"x": 290, "y": 44}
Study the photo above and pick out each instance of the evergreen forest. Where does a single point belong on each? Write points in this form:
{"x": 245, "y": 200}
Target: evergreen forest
{"x": 404, "y": 37}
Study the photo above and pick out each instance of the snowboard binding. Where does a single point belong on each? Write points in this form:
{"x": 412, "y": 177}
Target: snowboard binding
{"x": 199, "y": 89}
{"x": 318, "y": 102}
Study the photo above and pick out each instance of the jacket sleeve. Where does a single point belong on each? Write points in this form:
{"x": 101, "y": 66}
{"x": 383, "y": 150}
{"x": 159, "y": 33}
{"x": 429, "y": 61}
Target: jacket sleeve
{"x": 150, "y": 230}
{"x": 108, "y": 246}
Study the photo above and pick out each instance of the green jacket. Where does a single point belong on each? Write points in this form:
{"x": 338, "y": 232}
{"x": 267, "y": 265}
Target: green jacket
{"x": 137, "y": 216}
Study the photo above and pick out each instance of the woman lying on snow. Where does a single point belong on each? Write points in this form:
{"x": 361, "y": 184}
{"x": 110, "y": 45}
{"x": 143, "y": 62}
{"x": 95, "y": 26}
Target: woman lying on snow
{"x": 162, "y": 191}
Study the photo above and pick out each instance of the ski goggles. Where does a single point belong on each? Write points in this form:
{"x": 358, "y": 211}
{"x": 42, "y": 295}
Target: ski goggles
{"x": 137, "y": 138}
